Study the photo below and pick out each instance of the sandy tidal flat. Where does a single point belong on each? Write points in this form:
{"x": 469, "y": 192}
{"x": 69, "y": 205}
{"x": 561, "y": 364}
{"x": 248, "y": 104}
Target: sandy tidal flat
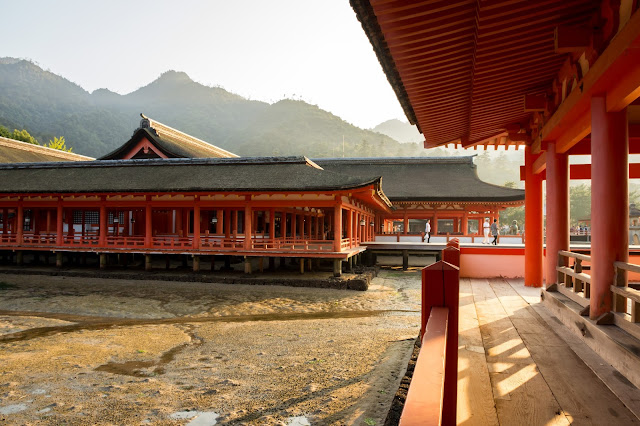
{"x": 94, "y": 351}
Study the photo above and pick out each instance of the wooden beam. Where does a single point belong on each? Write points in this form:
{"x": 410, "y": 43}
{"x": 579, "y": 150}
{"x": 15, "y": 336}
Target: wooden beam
{"x": 570, "y": 39}
{"x": 533, "y": 103}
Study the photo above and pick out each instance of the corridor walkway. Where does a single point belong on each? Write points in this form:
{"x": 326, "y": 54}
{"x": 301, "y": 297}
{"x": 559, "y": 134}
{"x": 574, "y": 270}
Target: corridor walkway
{"x": 515, "y": 369}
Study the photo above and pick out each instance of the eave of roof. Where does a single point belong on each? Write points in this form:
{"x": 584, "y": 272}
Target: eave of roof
{"x": 461, "y": 68}
{"x": 14, "y": 151}
{"x": 419, "y": 179}
{"x": 267, "y": 174}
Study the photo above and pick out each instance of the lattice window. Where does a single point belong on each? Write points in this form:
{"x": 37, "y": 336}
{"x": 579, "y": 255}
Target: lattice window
{"x": 91, "y": 217}
{"x": 120, "y": 217}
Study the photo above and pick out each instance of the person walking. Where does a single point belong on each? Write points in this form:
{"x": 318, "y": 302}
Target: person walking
{"x": 427, "y": 229}
{"x": 486, "y": 226}
{"x": 494, "y": 232}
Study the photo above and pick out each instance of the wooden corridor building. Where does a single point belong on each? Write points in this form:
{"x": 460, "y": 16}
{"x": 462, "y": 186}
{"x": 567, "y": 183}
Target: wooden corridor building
{"x": 240, "y": 206}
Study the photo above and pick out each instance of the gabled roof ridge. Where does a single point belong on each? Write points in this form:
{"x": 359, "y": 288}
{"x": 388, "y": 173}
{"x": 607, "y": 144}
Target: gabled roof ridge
{"x": 166, "y": 132}
{"x": 39, "y": 149}
{"x": 166, "y": 161}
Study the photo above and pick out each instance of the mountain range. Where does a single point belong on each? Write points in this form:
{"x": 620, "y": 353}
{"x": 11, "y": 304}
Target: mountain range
{"x": 48, "y": 105}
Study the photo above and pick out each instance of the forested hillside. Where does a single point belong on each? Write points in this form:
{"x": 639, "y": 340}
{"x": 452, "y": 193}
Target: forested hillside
{"x": 48, "y": 105}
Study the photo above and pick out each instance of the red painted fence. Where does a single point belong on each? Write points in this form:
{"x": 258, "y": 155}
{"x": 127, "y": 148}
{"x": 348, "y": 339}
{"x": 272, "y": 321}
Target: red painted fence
{"x": 433, "y": 393}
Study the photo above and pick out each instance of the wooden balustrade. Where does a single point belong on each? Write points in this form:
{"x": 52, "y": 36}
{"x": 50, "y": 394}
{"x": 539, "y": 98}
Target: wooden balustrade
{"x": 572, "y": 277}
{"x": 626, "y": 300}
{"x": 432, "y": 395}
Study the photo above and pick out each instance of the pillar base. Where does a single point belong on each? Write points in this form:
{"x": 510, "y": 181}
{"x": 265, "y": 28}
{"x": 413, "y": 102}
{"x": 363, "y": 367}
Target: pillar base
{"x": 337, "y": 268}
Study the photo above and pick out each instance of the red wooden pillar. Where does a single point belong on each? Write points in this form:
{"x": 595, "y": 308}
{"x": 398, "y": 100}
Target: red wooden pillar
{"x": 294, "y": 224}
{"x": 196, "y": 226}
{"x": 272, "y": 224}
{"x": 220, "y": 223}
{"x": 59, "y": 224}
{"x": 349, "y": 226}
{"x": 465, "y": 223}
{"x": 533, "y": 223}
{"x": 337, "y": 226}
{"x": 557, "y": 210}
{"x": 179, "y": 223}
{"x": 227, "y": 223}
{"x": 235, "y": 223}
{"x": 102, "y": 239}
{"x": 248, "y": 225}
{"x": 148, "y": 226}
{"x": 406, "y": 223}
{"x": 609, "y": 200}
{"x": 434, "y": 225}
{"x": 20, "y": 224}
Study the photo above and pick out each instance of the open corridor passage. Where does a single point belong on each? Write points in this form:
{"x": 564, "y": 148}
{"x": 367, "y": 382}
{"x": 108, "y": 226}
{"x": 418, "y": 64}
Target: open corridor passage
{"x": 519, "y": 366}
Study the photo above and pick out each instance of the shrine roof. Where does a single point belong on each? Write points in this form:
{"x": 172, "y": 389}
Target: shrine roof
{"x": 244, "y": 174}
{"x": 13, "y": 151}
{"x": 461, "y": 68}
{"x": 171, "y": 142}
{"x": 425, "y": 178}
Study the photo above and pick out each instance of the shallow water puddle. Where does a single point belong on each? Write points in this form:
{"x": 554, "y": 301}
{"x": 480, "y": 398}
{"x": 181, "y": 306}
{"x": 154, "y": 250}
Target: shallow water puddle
{"x": 200, "y": 418}
{"x": 298, "y": 421}
{"x": 12, "y": 409}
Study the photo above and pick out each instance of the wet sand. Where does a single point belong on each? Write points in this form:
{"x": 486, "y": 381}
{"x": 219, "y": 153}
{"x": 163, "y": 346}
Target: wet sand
{"x": 97, "y": 351}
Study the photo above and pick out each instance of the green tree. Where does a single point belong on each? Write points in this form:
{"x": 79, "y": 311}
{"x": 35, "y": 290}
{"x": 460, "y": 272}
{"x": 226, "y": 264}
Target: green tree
{"x": 4, "y": 132}
{"x": 24, "y": 136}
{"x": 580, "y": 203}
{"x": 59, "y": 143}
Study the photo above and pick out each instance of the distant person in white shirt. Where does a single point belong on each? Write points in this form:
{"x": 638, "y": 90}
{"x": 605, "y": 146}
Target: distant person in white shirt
{"x": 486, "y": 227}
{"x": 427, "y": 229}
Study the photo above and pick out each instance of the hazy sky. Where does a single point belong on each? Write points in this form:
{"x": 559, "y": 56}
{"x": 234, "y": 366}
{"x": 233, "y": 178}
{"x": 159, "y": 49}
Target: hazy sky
{"x": 314, "y": 50}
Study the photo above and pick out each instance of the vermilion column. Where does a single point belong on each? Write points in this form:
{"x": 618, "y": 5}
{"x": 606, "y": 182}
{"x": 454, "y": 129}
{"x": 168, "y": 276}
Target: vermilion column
{"x": 20, "y": 227}
{"x": 609, "y": 200}
{"x": 532, "y": 223}
{"x": 405, "y": 222}
{"x": 196, "y": 226}
{"x": 248, "y": 223}
{"x": 350, "y": 226}
{"x": 337, "y": 226}
{"x": 557, "y": 210}
{"x": 59, "y": 227}
{"x": 102, "y": 239}
{"x": 148, "y": 229}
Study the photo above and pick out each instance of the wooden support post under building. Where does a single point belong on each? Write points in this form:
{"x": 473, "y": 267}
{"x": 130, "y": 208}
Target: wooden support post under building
{"x": 261, "y": 264}
{"x": 302, "y": 265}
{"x": 59, "y": 259}
{"x": 19, "y": 257}
{"x": 405, "y": 260}
{"x": 213, "y": 263}
{"x": 167, "y": 262}
{"x": 337, "y": 267}
{"x": 103, "y": 261}
{"x": 196, "y": 263}
{"x": 350, "y": 263}
{"x": 147, "y": 262}
{"x": 247, "y": 265}
{"x": 609, "y": 202}
{"x": 272, "y": 264}
{"x": 309, "y": 264}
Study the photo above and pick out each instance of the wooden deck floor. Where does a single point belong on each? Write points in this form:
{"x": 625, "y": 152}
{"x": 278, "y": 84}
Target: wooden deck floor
{"x": 515, "y": 369}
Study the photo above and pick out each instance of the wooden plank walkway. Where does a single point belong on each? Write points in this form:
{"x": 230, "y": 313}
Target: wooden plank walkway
{"x": 515, "y": 370}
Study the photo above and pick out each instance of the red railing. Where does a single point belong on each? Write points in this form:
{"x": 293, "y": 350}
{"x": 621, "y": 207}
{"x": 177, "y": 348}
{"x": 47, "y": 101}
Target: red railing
{"x": 171, "y": 242}
{"x": 221, "y": 243}
{"x": 345, "y": 243}
{"x": 7, "y": 239}
{"x": 432, "y": 395}
{"x": 79, "y": 240}
{"x": 292, "y": 244}
{"x": 125, "y": 241}
{"x": 40, "y": 239}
